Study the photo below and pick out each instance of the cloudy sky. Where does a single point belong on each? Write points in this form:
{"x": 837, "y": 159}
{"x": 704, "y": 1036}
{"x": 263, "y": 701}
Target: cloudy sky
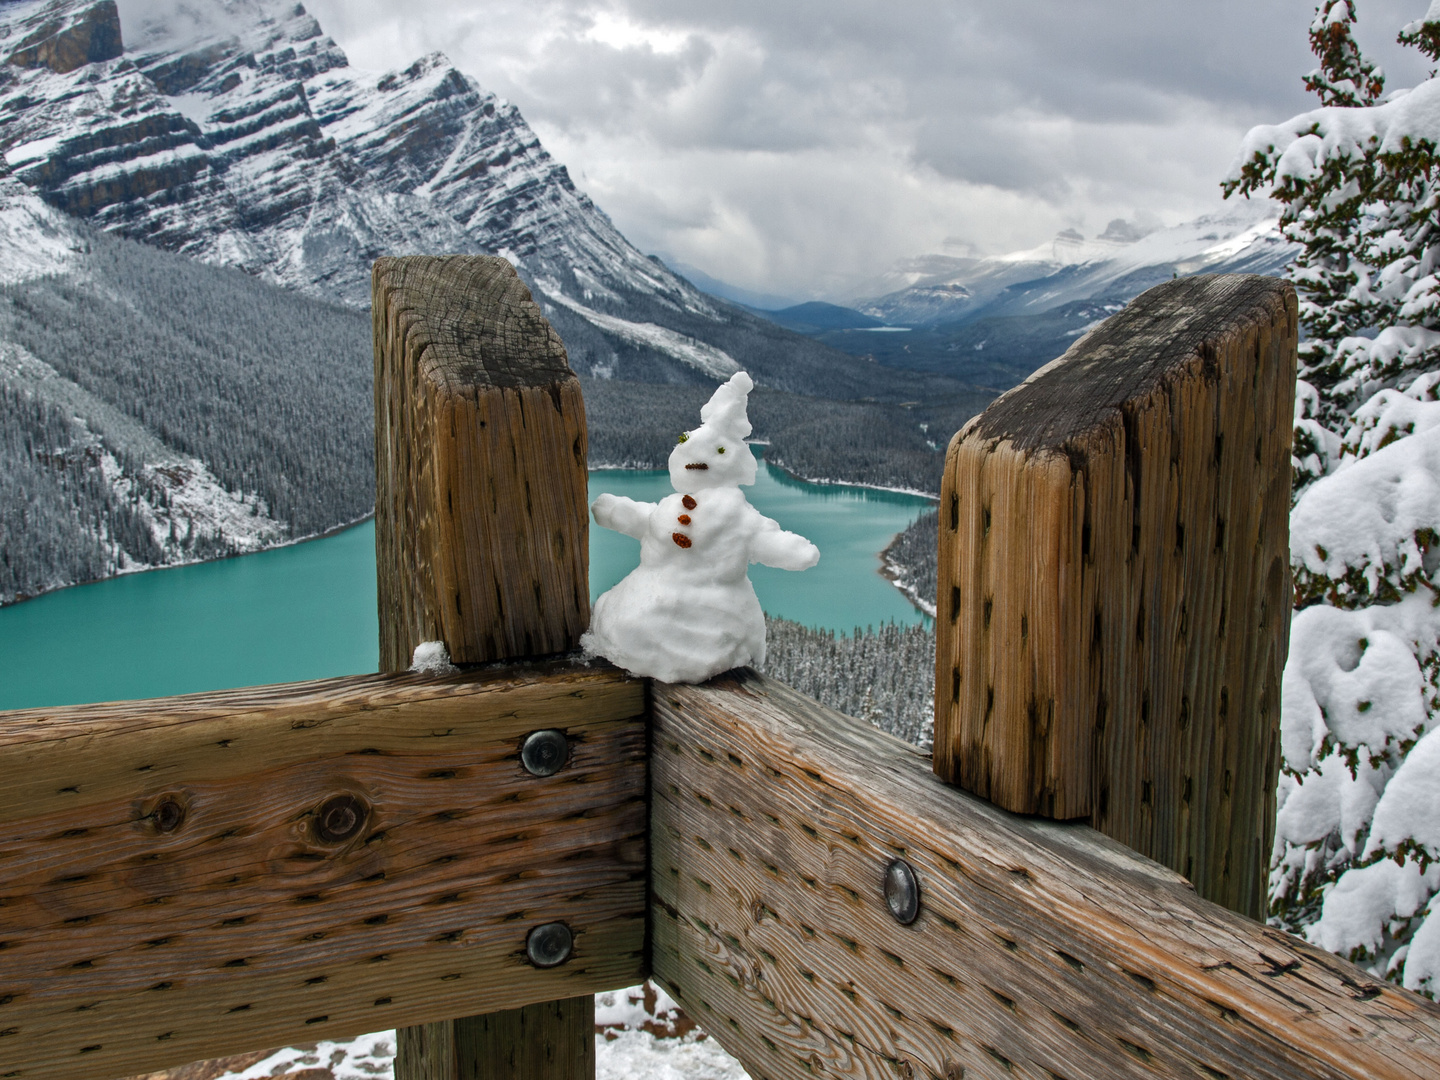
{"x": 799, "y": 147}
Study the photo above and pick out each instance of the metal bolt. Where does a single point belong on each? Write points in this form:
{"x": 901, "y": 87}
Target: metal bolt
{"x": 549, "y": 944}
{"x": 544, "y": 752}
{"x": 168, "y": 815}
{"x": 339, "y": 818}
{"x": 902, "y": 892}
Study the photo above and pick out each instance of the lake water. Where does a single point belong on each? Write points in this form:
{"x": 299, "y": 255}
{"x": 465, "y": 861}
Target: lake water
{"x": 308, "y": 611}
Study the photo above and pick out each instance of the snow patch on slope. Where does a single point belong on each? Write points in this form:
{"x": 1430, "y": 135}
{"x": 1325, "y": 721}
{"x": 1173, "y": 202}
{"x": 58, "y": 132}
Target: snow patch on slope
{"x": 34, "y": 238}
{"x": 714, "y": 362}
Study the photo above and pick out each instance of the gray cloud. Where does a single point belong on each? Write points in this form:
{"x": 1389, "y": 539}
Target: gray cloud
{"x": 802, "y": 146}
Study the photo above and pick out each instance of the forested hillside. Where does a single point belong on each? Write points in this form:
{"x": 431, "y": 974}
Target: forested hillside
{"x": 160, "y": 410}
{"x": 913, "y": 560}
{"x": 884, "y": 675}
{"x": 272, "y": 390}
{"x": 60, "y": 517}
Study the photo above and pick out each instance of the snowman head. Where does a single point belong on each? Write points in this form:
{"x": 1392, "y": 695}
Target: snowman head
{"x": 714, "y": 454}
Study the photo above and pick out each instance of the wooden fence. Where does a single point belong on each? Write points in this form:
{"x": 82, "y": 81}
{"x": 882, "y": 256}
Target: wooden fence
{"x": 470, "y": 857}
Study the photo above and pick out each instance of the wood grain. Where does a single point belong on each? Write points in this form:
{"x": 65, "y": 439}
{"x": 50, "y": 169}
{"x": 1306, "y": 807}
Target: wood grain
{"x": 132, "y": 938}
{"x": 551, "y": 1041}
{"x": 1042, "y": 949}
{"x": 481, "y": 538}
{"x": 1114, "y": 585}
{"x": 481, "y": 526}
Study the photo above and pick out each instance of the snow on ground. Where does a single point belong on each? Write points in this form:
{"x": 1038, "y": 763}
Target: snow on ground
{"x": 714, "y": 362}
{"x": 633, "y": 1055}
{"x": 34, "y": 238}
{"x": 198, "y": 500}
{"x": 641, "y": 1034}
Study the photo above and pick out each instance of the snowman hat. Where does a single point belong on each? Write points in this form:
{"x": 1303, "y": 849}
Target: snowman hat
{"x": 725, "y": 410}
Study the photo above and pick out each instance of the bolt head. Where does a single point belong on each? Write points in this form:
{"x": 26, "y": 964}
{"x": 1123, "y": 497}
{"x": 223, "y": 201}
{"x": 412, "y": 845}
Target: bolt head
{"x": 544, "y": 753}
{"x": 549, "y": 944}
{"x": 339, "y": 818}
{"x": 902, "y": 892}
{"x": 168, "y": 815}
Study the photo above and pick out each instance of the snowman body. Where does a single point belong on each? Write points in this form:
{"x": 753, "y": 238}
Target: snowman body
{"x": 688, "y": 611}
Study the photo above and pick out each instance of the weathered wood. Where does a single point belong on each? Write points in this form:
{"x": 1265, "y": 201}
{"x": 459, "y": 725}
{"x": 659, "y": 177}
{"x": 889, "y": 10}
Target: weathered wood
{"x": 481, "y": 530}
{"x": 1042, "y": 949}
{"x": 1114, "y": 583}
{"x": 551, "y": 1040}
{"x": 177, "y": 880}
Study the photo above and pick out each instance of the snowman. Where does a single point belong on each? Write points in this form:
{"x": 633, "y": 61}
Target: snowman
{"x": 688, "y": 611}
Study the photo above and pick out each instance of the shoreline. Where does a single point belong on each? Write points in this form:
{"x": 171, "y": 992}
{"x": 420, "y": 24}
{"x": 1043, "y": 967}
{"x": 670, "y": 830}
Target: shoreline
{"x": 887, "y": 570}
{"x": 818, "y": 481}
{"x": 128, "y": 571}
{"x": 893, "y": 573}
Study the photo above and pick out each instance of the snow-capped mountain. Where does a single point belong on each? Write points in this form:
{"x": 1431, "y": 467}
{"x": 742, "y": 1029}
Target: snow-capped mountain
{"x": 236, "y": 132}
{"x": 1120, "y": 263}
{"x": 990, "y": 322}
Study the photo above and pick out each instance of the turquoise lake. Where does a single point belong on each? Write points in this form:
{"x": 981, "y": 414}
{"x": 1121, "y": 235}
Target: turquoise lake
{"x": 308, "y": 611}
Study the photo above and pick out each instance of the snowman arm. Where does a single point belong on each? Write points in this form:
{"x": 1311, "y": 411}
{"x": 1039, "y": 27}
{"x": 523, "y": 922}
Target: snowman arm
{"x": 623, "y": 515}
{"x": 771, "y": 545}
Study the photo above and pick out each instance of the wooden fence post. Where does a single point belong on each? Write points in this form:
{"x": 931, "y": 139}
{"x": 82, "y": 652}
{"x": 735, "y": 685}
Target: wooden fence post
{"x": 481, "y": 533}
{"x": 1114, "y": 599}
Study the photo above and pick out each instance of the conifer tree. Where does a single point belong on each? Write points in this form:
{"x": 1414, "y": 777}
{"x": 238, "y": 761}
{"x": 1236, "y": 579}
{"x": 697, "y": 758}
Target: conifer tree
{"x": 1358, "y": 837}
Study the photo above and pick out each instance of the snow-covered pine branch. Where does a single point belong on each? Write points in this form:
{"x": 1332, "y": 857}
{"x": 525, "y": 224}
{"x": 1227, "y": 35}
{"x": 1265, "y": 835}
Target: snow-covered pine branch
{"x": 1358, "y": 833}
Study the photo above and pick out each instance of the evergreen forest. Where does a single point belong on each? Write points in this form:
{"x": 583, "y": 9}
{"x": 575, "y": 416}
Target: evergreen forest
{"x": 913, "y": 558}
{"x": 125, "y": 381}
{"x": 884, "y": 675}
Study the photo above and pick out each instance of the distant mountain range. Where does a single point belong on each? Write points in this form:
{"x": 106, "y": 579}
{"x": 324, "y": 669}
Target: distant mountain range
{"x": 990, "y": 322}
{"x": 237, "y": 133}
{"x": 154, "y": 409}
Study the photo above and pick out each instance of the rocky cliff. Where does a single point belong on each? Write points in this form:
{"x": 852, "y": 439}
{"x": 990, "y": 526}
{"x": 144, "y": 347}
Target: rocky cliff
{"x": 236, "y": 132}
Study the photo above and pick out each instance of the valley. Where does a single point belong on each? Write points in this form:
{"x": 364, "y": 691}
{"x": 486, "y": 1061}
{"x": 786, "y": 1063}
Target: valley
{"x": 188, "y": 213}
{"x": 990, "y": 322}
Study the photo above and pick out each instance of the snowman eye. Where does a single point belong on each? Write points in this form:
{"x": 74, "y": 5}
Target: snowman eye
{"x": 721, "y": 450}
{"x": 684, "y": 437}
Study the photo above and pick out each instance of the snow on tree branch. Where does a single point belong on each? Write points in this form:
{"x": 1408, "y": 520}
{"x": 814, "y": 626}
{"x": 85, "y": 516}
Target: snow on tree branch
{"x": 1356, "y": 865}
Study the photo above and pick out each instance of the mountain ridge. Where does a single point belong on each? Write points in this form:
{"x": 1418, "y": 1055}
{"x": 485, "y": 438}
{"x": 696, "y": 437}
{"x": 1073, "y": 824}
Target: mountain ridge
{"x": 990, "y": 322}
{"x": 244, "y": 138}
{"x": 1118, "y": 264}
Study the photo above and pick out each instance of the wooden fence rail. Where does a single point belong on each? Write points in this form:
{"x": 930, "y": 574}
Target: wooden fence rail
{"x": 196, "y": 876}
{"x": 212, "y": 874}
{"x": 1040, "y": 949}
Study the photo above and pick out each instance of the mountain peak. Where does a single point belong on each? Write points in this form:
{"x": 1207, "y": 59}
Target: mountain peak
{"x": 1119, "y": 263}
{"x": 1123, "y": 232}
{"x": 236, "y": 132}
